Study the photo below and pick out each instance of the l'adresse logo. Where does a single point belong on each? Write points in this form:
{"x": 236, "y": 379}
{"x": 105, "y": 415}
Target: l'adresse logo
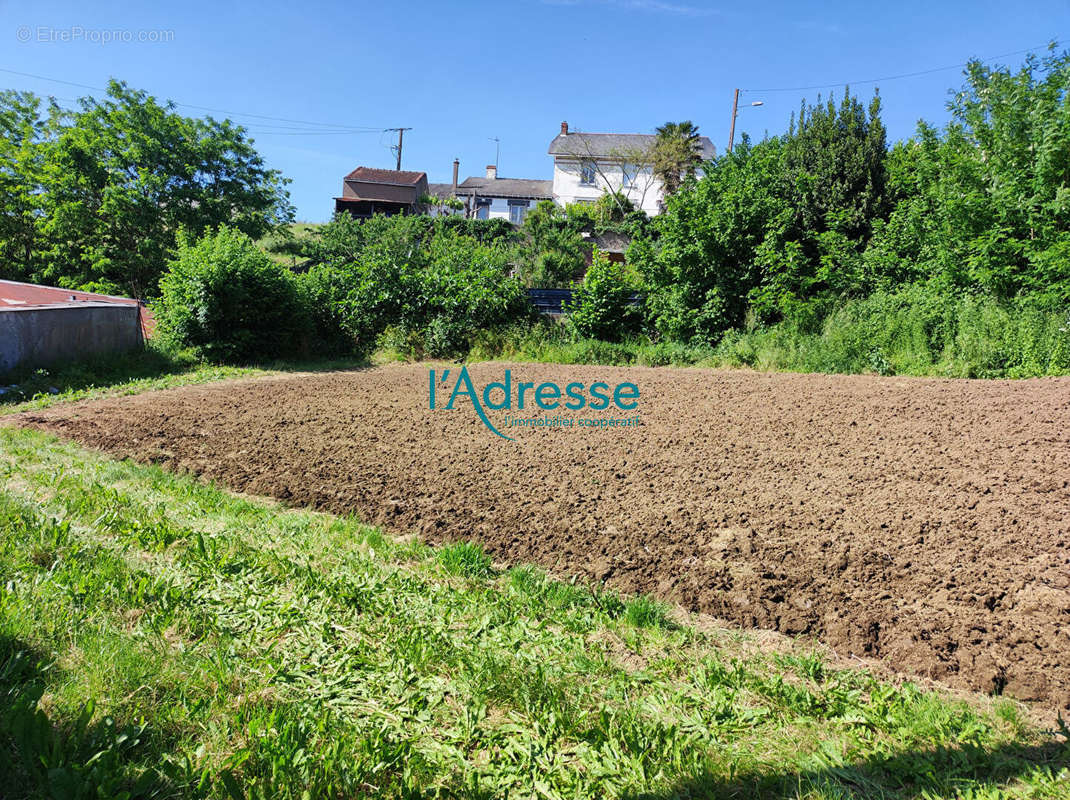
{"x": 547, "y": 396}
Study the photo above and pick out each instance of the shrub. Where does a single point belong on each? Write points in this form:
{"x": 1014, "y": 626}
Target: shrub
{"x": 325, "y": 289}
{"x": 225, "y": 299}
{"x": 428, "y": 286}
{"x": 604, "y": 305}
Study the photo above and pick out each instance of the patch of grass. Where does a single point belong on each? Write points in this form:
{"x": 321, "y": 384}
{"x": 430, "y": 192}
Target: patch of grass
{"x": 645, "y": 612}
{"x": 160, "y": 637}
{"x": 145, "y": 370}
{"x": 466, "y": 559}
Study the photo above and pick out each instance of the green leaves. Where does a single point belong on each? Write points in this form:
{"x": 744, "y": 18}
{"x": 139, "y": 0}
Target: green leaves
{"x": 99, "y": 194}
{"x": 430, "y": 284}
{"x": 604, "y": 305}
{"x": 223, "y": 297}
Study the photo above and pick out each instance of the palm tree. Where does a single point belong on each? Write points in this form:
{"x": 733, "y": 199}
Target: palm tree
{"x": 677, "y": 151}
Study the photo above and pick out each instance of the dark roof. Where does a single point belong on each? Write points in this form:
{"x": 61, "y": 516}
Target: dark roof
{"x": 367, "y": 199}
{"x": 391, "y": 176}
{"x": 440, "y": 189}
{"x": 508, "y": 187}
{"x": 609, "y": 144}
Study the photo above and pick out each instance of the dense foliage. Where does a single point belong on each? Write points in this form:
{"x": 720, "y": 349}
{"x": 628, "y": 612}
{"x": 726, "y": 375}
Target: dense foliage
{"x": 790, "y": 231}
{"x": 985, "y": 205}
{"x": 433, "y": 282}
{"x": 225, "y": 299}
{"x": 95, "y": 198}
{"x": 604, "y": 305}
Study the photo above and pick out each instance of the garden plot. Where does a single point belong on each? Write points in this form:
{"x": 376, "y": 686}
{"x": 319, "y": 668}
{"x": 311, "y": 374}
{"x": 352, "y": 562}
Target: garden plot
{"x": 923, "y": 522}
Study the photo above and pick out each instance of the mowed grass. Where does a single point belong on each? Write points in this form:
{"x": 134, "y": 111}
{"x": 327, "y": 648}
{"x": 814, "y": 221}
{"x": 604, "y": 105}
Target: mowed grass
{"x": 163, "y": 638}
{"x": 149, "y": 369}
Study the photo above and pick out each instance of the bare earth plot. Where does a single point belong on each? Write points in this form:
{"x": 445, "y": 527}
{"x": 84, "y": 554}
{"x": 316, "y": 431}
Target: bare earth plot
{"x": 924, "y": 522}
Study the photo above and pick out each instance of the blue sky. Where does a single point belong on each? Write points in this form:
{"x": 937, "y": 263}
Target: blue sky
{"x": 459, "y": 73}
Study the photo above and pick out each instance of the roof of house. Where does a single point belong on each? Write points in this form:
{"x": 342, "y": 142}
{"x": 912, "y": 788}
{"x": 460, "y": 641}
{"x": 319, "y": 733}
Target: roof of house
{"x": 440, "y": 189}
{"x": 508, "y": 187}
{"x": 391, "y": 176}
{"x": 610, "y": 144}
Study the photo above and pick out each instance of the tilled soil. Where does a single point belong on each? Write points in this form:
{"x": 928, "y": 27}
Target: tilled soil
{"x": 919, "y": 521}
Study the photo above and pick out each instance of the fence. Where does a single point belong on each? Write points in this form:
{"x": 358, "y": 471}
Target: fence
{"x": 553, "y": 301}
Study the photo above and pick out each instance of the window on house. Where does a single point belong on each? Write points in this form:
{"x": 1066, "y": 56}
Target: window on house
{"x": 483, "y": 207}
{"x": 517, "y": 210}
{"x": 628, "y": 173}
{"x": 587, "y": 173}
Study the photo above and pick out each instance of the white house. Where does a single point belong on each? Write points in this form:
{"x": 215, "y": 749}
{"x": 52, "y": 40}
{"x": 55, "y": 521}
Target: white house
{"x": 586, "y": 165}
{"x": 492, "y": 197}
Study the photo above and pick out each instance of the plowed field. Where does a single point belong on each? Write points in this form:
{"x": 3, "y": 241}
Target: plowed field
{"x": 924, "y": 522}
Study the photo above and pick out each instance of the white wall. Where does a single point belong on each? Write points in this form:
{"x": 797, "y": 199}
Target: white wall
{"x": 499, "y": 207}
{"x": 645, "y": 191}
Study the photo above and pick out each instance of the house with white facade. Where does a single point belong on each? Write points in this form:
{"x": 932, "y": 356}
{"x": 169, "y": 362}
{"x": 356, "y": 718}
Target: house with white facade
{"x": 491, "y": 197}
{"x": 587, "y": 165}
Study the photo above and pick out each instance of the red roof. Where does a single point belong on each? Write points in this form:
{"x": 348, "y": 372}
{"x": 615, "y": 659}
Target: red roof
{"x": 16, "y": 295}
{"x": 392, "y": 176}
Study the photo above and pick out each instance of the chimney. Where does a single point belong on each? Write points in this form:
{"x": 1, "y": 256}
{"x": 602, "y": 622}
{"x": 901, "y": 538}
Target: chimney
{"x": 492, "y": 171}
{"x": 456, "y": 166}
{"x": 564, "y": 129}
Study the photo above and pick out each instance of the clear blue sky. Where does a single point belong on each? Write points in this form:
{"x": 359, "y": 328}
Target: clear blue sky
{"x": 460, "y": 72}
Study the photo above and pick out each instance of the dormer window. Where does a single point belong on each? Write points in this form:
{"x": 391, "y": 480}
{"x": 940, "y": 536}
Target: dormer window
{"x": 587, "y": 173}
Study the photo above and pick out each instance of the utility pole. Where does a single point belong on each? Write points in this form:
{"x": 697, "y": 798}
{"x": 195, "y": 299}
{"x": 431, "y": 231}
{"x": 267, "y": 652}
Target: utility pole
{"x": 735, "y": 113}
{"x": 731, "y": 132}
{"x": 401, "y": 137}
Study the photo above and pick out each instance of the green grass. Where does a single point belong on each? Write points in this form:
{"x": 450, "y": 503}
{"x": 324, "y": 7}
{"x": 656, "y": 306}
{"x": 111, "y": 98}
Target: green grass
{"x": 162, "y": 638}
{"x": 915, "y": 330}
{"x": 285, "y": 245}
{"x": 144, "y": 370}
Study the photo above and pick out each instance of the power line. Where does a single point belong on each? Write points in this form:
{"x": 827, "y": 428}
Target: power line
{"x": 312, "y": 133}
{"x": 333, "y": 126}
{"x": 902, "y": 75}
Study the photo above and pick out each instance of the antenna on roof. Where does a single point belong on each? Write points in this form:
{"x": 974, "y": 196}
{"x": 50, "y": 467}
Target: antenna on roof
{"x": 497, "y": 150}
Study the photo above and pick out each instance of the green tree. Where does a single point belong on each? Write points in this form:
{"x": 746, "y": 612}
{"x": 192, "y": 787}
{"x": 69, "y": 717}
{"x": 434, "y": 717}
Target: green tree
{"x": 124, "y": 174}
{"x": 551, "y": 250}
{"x": 703, "y": 266}
{"x": 676, "y": 154}
{"x": 23, "y": 133}
{"x": 985, "y": 204}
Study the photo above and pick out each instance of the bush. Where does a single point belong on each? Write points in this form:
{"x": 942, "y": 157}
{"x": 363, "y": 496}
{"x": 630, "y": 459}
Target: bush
{"x": 225, "y": 299}
{"x": 604, "y": 305}
{"x": 417, "y": 286}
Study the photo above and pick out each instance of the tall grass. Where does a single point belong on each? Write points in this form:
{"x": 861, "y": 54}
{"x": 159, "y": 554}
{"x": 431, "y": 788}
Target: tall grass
{"x": 915, "y": 331}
